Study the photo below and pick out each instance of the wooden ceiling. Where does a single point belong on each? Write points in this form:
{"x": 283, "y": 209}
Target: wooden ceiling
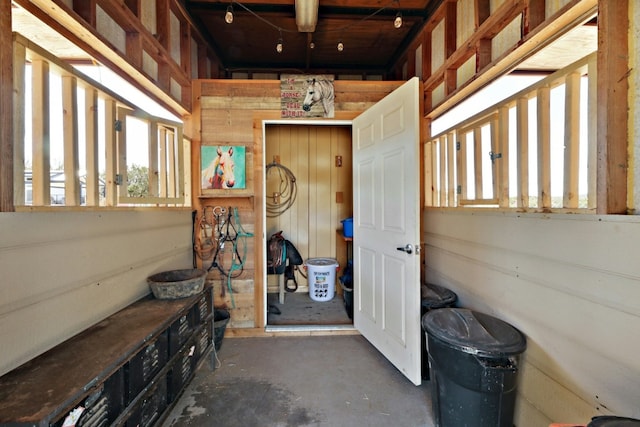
{"x": 372, "y": 44}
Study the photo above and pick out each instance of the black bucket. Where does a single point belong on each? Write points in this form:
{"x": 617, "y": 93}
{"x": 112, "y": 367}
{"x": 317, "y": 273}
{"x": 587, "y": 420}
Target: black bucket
{"x": 220, "y": 319}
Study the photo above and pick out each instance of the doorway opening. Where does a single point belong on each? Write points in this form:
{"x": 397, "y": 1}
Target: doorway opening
{"x": 308, "y": 193}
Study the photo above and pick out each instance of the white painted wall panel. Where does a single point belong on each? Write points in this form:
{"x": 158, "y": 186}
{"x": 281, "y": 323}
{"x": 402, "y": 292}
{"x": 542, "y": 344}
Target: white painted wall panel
{"x": 437, "y": 47}
{"x": 109, "y": 29}
{"x": 571, "y": 283}
{"x": 64, "y": 271}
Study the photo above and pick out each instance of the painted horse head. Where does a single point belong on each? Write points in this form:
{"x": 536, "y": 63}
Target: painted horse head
{"x": 319, "y": 91}
{"x": 220, "y": 173}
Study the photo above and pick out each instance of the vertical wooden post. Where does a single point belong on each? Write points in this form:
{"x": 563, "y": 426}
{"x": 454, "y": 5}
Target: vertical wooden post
{"x": 111, "y": 152}
{"x": 613, "y": 86}
{"x": 503, "y": 148}
{"x": 6, "y": 108}
{"x": 522, "y": 119}
{"x": 91, "y": 145}
{"x": 544, "y": 147}
{"x": 19, "y": 105}
{"x": 451, "y": 159}
{"x": 477, "y": 163}
{"x": 41, "y": 176}
{"x": 70, "y": 140}
{"x": 571, "y": 140}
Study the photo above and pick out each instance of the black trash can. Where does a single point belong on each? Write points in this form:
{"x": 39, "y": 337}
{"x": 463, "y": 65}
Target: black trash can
{"x": 432, "y": 297}
{"x": 611, "y": 421}
{"x": 474, "y": 364}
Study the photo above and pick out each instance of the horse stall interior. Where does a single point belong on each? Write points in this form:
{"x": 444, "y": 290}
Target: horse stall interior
{"x": 319, "y": 158}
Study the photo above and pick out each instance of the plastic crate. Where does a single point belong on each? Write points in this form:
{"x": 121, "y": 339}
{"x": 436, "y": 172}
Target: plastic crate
{"x": 145, "y": 365}
{"x": 150, "y": 407}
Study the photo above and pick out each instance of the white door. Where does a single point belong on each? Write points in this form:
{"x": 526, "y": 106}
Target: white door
{"x": 386, "y": 217}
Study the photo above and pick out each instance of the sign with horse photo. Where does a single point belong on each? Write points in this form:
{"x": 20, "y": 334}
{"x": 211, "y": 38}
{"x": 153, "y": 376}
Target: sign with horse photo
{"x": 223, "y": 168}
{"x": 304, "y": 96}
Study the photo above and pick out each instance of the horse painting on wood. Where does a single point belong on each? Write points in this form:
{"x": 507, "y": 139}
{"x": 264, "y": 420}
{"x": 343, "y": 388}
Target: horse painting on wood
{"x": 220, "y": 172}
{"x": 319, "y": 90}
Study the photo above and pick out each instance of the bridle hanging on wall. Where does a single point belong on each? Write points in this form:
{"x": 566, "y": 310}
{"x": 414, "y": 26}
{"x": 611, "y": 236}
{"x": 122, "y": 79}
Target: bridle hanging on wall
{"x": 220, "y": 238}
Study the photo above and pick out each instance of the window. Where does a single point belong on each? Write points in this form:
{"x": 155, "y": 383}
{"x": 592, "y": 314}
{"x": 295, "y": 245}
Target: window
{"x": 83, "y": 144}
{"x": 535, "y": 150}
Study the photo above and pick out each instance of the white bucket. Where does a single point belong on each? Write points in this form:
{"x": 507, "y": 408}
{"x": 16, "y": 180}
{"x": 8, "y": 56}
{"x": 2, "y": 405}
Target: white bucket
{"x": 322, "y": 278}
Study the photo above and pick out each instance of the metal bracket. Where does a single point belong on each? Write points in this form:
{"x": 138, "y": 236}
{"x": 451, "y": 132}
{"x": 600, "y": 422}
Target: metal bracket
{"x": 493, "y": 156}
{"x": 118, "y": 179}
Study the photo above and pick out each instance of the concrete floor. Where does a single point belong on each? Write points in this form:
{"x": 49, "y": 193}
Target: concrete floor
{"x": 339, "y": 381}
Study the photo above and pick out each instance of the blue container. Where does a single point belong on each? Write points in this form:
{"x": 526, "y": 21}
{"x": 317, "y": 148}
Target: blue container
{"x": 347, "y": 227}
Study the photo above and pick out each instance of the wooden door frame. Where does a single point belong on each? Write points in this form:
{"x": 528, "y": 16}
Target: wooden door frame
{"x": 260, "y": 122}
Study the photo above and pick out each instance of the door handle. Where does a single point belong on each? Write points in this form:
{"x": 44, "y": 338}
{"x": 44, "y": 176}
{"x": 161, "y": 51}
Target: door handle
{"x": 408, "y": 248}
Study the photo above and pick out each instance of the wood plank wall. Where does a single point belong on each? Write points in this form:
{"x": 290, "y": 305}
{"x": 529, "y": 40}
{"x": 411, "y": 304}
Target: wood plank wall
{"x": 231, "y": 114}
{"x": 324, "y": 189}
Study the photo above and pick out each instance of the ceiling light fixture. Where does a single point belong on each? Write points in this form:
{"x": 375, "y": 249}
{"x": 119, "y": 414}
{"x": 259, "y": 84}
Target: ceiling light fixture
{"x": 228, "y": 17}
{"x": 340, "y": 46}
{"x": 397, "y": 22}
{"x": 279, "y": 45}
{"x": 306, "y": 15}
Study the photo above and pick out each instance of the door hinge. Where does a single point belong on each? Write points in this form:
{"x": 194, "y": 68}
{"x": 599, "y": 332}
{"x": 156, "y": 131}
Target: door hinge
{"x": 458, "y": 146}
{"x": 118, "y": 126}
{"x": 459, "y": 189}
{"x": 493, "y": 156}
{"x": 118, "y": 179}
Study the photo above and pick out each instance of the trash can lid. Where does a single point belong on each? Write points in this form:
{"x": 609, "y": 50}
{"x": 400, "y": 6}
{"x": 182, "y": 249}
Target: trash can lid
{"x": 473, "y": 332}
{"x": 434, "y": 296}
{"x": 322, "y": 262}
{"x": 611, "y": 421}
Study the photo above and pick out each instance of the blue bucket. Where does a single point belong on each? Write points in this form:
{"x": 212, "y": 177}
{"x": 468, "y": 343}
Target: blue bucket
{"x": 347, "y": 227}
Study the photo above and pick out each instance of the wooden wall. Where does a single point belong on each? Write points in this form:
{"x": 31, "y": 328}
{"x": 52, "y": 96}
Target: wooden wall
{"x": 64, "y": 271}
{"x": 324, "y": 189}
{"x": 231, "y": 114}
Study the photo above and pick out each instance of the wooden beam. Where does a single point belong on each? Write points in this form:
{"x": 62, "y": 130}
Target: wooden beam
{"x": 534, "y": 15}
{"x": 488, "y": 29}
{"x": 6, "y": 108}
{"x": 483, "y": 11}
{"x": 570, "y": 15}
{"x": 59, "y": 17}
{"x": 613, "y": 86}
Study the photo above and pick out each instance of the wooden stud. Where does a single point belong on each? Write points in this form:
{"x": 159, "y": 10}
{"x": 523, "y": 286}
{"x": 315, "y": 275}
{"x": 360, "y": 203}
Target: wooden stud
{"x": 155, "y": 151}
{"x": 477, "y": 162}
{"x": 92, "y": 147}
{"x": 19, "y": 110}
{"x": 451, "y": 159}
{"x": 442, "y": 146}
{"x": 503, "y": 147}
{"x": 613, "y": 86}
{"x": 461, "y": 162}
{"x": 70, "y": 140}
{"x": 544, "y": 147}
{"x": 592, "y": 133}
{"x": 111, "y": 151}
{"x": 40, "y": 134}
{"x": 571, "y": 141}
{"x": 522, "y": 130}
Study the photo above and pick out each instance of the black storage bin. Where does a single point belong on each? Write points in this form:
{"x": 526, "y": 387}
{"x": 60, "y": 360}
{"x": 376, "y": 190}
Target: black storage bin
{"x": 432, "y": 297}
{"x": 611, "y": 421}
{"x": 474, "y": 364}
